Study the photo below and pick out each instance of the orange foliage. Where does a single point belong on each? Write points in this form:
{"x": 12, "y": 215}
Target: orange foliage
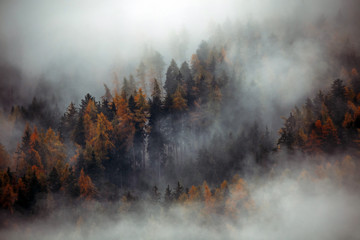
{"x": 209, "y": 201}
{"x": 238, "y": 197}
{"x": 124, "y": 127}
{"x": 87, "y": 188}
{"x": 194, "y": 194}
{"x": 101, "y": 141}
{"x": 89, "y": 118}
{"x": 142, "y": 107}
{"x": 179, "y": 102}
{"x": 8, "y": 197}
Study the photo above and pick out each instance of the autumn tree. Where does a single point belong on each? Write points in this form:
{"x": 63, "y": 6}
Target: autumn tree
{"x": 87, "y": 189}
{"x": 4, "y": 157}
{"x": 141, "y": 127}
{"x": 179, "y": 103}
{"x": 8, "y": 197}
{"x": 101, "y": 140}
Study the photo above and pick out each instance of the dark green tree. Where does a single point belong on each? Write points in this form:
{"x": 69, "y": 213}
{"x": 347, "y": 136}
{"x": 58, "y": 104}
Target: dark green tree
{"x": 173, "y": 76}
{"x": 54, "y": 183}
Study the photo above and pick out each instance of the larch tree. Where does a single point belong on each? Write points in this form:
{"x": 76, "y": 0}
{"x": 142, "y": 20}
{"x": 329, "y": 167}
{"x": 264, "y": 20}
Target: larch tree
{"x": 179, "y": 102}
{"x": 53, "y": 150}
{"x": 101, "y": 142}
{"x": 87, "y": 189}
{"x": 90, "y": 116}
{"x": 141, "y": 117}
{"x": 4, "y": 157}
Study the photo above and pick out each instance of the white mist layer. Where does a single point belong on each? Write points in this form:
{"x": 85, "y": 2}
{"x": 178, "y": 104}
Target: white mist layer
{"x": 285, "y": 208}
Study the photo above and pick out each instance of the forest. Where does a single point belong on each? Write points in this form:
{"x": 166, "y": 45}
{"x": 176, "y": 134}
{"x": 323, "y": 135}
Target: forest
{"x": 194, "y": 138}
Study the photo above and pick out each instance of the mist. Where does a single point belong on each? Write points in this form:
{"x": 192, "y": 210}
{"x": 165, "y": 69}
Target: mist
{"x": 294, "y": 204}
{"x": 257, "y": 138}
{"x": 78, "y": 45}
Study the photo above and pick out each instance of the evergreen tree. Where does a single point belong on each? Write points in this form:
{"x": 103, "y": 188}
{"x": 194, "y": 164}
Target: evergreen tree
{"x": 54, "y": 183}
{"x": 189, "y": 83}
{"x": 172, "y": 78}
{"x": 178, "y": 191}
{"x": 168, "y": 196}
{"x": 68, "y": 122}
{"x": 155, "y": 195}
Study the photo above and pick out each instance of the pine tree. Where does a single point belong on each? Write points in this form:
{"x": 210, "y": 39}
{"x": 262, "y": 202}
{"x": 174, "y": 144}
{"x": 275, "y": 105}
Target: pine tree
{"x": 179, "y": 191}
{"x": 168, "y": 197}
{"x": 172, "y": 78}
{"x": 189, "y": 83}
{"x": 68, "y": 122}
{"x": 54, "y": 183}
{"x": 155, "y": 195}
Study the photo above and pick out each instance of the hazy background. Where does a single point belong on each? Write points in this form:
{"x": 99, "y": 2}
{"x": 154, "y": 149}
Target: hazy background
{"x": 281, "y": 51}
{"x": 75, "y": 46}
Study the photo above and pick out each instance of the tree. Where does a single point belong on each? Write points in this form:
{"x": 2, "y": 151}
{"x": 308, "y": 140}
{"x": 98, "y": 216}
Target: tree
{"x": 287, "y": 133}
{"x": 329, "y": 136}
{"x": 141, "y": 127}
{"x": 178, "y": 100}
{"x": 194, "y": 194}
{"x": 8, "y": 197}
{"x": 101, "y": 141}
{"x": 141, "y": 74}
{"x": 337, "y": 102}
{"x": 68, "y": 122}
{"x": 84, "y": 102}
{"x": 4, "y": 157}
{"x": 156, "y": 139}
{"x": 155, "y": 195}
{"x": 172, "y": 78}
{"x": 203, "y": 52}
{"x": 125, "y": 89}
{"x": 52, "y": 151}
{"x": 189, "y": 83}
{"x": 157, "y": 65}
{"x": 124, "y": 128}
{"x": 90, "y": 115}
{"x": 87, "y": 188}
{"x": 178, "y": 191}
{"x": 168, "y": 197}
{"x": 71, "y": 184}
{"x": 107, "y": 96}
{"x": 54, "y": 183}
{"x": 209, "y": 201}
{"x": 79, "y": 132}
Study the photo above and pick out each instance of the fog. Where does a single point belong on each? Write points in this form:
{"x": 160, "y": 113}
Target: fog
{"x": 78, "y": 45}
{"x": 295, "y": 204}
{"x": 278, "y": 52}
